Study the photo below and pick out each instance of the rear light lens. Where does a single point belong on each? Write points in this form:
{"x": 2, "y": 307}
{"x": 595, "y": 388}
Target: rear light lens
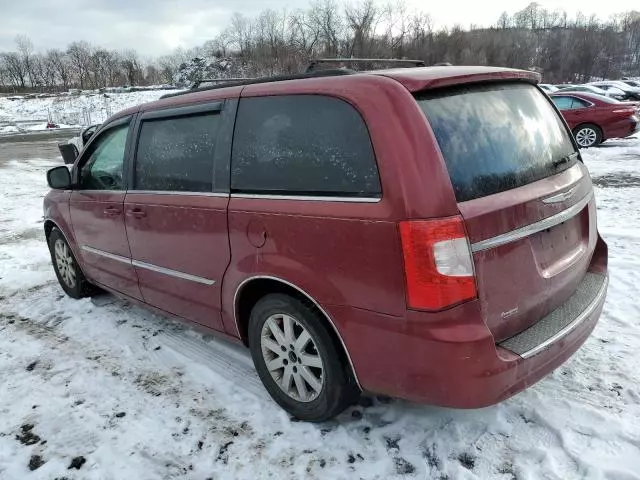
{"x": 438, "y": 263}
{"x": 625, "y": 110}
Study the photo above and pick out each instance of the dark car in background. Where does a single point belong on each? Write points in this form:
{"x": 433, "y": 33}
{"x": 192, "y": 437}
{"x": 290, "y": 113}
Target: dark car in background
{"x": 631, "y": 83}
{"x": 595, "y": 118}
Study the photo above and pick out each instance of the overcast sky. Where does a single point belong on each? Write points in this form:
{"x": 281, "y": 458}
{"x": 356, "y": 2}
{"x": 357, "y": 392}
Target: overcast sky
{"x": 155, "y": 27}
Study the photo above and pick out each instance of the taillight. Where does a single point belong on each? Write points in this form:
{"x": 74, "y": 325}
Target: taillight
{"x": 625, "y": 110}
{"x": 437, "y": 262}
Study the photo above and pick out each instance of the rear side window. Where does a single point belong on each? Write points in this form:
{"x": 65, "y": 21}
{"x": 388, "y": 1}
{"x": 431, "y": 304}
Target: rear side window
{"x": 497, "y": 137}
{"x": 176, "y": 154}
{"x": 569, "y": 103}
{"x": 563, "y": 103}
{"x": 302, "y": 145}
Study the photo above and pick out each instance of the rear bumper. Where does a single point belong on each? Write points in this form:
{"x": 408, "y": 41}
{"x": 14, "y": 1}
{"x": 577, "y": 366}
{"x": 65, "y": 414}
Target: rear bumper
{"x": 622, "y": 129}
{"x": 451, "y": 360}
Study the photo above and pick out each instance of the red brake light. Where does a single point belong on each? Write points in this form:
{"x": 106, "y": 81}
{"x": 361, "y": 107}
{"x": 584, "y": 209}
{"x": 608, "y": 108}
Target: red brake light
{"x": 437, "y": 262}
{"x": 624, "y": 110}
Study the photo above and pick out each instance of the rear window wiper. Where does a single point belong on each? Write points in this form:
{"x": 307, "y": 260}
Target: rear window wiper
{"x": 565, "y": 159}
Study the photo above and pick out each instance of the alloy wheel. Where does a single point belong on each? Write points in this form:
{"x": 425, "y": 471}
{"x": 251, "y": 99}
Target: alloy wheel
{"x": 65, "y": 264}
{"x": 292, "y": 358}
{"x": 586, "y": 137}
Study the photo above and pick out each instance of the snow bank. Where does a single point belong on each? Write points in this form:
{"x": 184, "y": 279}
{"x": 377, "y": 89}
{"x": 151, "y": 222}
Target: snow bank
{"x": 9, "y": 129}
{"x": 142, "y": 397}
{"x": 82, "y": 109}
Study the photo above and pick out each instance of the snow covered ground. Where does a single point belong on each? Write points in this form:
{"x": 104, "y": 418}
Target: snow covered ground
{"x": 141, "y": 397}
{"x": 76, "y": 110}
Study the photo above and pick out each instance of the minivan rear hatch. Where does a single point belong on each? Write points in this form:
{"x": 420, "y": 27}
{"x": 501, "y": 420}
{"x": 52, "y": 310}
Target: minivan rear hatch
{"x": 525, "y": 197}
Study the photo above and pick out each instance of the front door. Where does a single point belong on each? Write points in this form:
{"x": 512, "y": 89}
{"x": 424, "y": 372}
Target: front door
{"x": 176, "y": 224}
{"x": 97, "y": 211}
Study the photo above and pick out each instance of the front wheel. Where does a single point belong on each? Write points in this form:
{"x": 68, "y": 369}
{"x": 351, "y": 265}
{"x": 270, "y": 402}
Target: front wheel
{"x": 588, "y": 136}
{"x": 297, "y": 360}
{"x": 70, "y": 277}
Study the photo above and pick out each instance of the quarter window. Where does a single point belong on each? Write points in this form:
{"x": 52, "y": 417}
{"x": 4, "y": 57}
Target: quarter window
{"x": 569, "y": 103}
{"x": 302, "y": 145}
{"x": 176, "y": 154}
{"x": 563, "y": 103}
{"x": 103, "y": 170}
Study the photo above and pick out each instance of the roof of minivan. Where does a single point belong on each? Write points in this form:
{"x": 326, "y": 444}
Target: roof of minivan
{"x": 416, "y": 79}
{"x": 413, "y": 79}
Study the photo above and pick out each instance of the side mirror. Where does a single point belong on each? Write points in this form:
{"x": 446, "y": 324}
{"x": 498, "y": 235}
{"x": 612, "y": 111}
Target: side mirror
{"x": 69, "y": 152}
{"x": 59, "y": 178}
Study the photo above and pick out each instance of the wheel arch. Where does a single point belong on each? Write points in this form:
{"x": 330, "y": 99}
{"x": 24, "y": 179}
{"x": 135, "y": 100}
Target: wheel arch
{"x": 49, "y": 225}
{"x": 252, "y": 289}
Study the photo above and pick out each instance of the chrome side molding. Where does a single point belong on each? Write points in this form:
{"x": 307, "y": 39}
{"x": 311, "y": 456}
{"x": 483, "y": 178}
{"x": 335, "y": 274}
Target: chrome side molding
{"x": 172, "y": 273}
{"x": 149, "y": 266}
{"x": 308, "y": 198}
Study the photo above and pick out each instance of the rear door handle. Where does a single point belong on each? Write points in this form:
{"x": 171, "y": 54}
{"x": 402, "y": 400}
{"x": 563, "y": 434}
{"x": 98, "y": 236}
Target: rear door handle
{"x": 136, "y": 213}
{"x": 112, "y": 211}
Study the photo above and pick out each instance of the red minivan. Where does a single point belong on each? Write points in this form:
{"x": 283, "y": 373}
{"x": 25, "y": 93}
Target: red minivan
{"x": 424, "y": 233}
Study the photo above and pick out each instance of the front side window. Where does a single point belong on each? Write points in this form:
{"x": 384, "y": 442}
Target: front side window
{"x": 302, "y": 145}
{"x": 176, "y": 154}
{"x": 103, "y": 170}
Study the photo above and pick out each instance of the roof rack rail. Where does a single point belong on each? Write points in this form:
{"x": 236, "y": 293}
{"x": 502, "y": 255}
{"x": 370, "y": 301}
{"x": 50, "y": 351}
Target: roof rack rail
{"x": 277, "y": 78}
{"x": 316, "y": 61}
{"x": 197, "y": 83}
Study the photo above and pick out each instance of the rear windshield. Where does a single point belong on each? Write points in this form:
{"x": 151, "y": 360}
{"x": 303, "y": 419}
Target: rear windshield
{"x": 497, "y": 137}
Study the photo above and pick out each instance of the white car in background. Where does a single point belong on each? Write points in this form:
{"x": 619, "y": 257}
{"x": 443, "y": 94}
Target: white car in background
{"x": 548, "y": 87}
{"x": 630, "y": 93}
{"x": 81, "y": 140}
{"x": 70, "y": 150}
{"x": 612, "y": 92}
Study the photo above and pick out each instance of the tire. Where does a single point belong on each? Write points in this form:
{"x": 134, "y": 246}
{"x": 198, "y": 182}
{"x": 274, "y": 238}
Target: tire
{"x": 588, "y": 135}
{"x": 320, "y": 385}
{"x": 69, "y": 274}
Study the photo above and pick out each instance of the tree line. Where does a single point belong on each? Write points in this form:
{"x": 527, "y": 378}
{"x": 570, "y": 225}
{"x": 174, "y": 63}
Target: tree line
{"x": 562, "y": 48}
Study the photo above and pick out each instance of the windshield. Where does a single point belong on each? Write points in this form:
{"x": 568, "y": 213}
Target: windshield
{"x": 497, "y": 137}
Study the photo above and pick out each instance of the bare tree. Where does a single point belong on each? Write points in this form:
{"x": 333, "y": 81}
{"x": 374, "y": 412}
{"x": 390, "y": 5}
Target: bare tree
{"x": 25, "y": 50}
{"x": 49, "y": 71}
{"x": 80, "y": 57}
{"x": 131, "y": 67}
{"x": 14, "y": 69}
{"x": 361, "y": 20}
{"x": 240, "y": 32}
{"x": 325, "y": 16}
{"x": 62, "y": 66}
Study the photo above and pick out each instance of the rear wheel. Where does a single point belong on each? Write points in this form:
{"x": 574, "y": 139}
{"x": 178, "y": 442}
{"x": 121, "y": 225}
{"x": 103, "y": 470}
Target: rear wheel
{"x": 297, "y": 360}
{"x": 588, "y": 135}
{"x": 70, "y": 277}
